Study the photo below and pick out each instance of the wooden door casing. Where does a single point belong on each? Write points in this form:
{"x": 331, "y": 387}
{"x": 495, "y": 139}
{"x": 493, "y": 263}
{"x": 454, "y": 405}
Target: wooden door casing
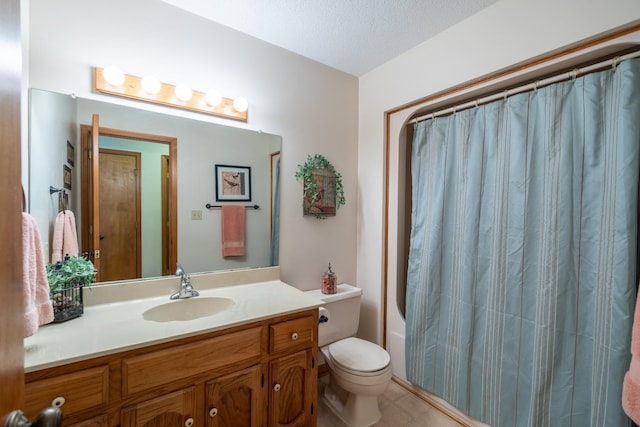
{"x": 11, "y": 314}
{"x": 90, "y": 188}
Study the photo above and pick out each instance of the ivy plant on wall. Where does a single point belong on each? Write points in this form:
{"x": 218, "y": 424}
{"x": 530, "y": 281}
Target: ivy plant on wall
{"x": 323, "y": 192}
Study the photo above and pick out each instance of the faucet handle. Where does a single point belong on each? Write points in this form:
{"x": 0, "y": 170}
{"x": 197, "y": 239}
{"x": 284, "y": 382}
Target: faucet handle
{"x": 179, "y": 270}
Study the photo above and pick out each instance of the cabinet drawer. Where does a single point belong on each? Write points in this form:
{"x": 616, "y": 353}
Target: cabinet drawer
{"x": 73, "y": 392}
{"x": 164, "y": 366}
{"x": 292, "y": 334}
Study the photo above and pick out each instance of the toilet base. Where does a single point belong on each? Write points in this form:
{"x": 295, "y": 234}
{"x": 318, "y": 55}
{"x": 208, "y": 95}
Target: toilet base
{"x": 353, "y": 410}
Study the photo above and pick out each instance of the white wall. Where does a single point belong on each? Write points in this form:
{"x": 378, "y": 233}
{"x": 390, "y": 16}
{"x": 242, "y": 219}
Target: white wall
{"x": 48, "y": 142}
{"x": 507, "y": 33}
{"x": 313, "y": 107}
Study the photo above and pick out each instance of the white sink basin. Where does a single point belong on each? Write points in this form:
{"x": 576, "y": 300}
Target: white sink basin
{"x": 188, "y": 309}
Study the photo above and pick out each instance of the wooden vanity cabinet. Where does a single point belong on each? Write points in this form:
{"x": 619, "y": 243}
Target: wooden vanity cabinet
{"x": 263, "y": 374}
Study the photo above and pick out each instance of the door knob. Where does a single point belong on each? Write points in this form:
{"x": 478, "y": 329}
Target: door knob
{"x": 49, "y": 417}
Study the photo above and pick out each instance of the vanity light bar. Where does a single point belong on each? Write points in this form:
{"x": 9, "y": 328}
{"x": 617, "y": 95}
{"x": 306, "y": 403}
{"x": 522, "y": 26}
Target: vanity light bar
{"x": 131, "y": 87}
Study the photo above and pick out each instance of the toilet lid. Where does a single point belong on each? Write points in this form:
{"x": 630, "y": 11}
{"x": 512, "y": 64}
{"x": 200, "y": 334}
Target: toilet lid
{"x": 359, "y": 355}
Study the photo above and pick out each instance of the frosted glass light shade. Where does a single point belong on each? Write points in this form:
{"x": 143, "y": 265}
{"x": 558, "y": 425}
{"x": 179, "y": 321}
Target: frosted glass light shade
{"x": 150, "y": 84}
{"x": 150, "y": 89}
{"x": 113, "y": 75}
{"x": 183, "y": 92}
{"x": 214, "y": 98}
{"x": 240, "y": 104}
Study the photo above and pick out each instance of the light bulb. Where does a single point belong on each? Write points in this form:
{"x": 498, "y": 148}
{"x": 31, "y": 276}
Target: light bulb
{"x": 113, "y": 75}
{"x": 151, "y": 85}
{"x": 183, "y": 92}
{"x": 240, "y": 104}
{"x": 213, "y": 98}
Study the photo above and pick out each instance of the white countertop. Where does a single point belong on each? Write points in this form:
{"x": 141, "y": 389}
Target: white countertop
{"x": 107, "y": 328}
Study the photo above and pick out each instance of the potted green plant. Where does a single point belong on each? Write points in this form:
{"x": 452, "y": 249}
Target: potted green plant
{"x": 66, "y": 280}
{"x": 323, "y": 192}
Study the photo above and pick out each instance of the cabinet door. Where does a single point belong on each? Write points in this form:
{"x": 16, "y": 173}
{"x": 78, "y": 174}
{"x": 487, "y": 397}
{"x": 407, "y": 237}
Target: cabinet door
{"x": 236, "y": 400}
{"x": 293, "y": 389}
{"x": 171, "y": 410}
{"x": 99, "y": 421}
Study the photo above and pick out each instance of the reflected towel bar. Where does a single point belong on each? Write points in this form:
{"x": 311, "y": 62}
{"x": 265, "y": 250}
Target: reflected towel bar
{"x": 53, "y": 190}
{"x": 210, "y": 206}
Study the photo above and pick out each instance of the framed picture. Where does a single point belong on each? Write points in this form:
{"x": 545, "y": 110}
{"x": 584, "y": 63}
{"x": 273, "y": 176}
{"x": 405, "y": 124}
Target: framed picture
{"x": 70, "y": 153}
{"x": 66, "y": 177}
{"x": 233, "y": 183}
{"x": 323, "y": 200}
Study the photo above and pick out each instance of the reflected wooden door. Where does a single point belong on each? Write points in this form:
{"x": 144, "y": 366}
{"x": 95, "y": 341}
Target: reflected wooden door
{"x": 90, "y": 194}
{"x": 120, "y": 246}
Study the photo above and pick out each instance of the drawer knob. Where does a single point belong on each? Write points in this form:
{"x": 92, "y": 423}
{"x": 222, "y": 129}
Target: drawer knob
{"x": 213, "y": 412}
{"x": 188, "y": 422}
{"x": 276, "y": 387}
{"x": 294, "y": 336}
{"x": 58, "y": 402}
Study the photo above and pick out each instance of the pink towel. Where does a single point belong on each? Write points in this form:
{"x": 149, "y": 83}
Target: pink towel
{"x": 37, "y": 306}
{"x": 631, "y": 384}
{"x": 232, "y": 219}
{"x": 65, "y": 239}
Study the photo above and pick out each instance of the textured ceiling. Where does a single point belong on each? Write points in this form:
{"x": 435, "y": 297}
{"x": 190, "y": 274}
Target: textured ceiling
{"x": 354, "y": 36}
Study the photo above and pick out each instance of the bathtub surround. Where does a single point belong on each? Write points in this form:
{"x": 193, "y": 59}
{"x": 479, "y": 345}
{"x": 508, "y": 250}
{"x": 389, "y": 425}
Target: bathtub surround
{"x": 522, "y": 260}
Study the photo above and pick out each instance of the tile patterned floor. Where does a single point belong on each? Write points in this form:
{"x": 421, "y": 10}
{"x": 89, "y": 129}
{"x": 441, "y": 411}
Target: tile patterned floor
{"x": 399, "y": 407}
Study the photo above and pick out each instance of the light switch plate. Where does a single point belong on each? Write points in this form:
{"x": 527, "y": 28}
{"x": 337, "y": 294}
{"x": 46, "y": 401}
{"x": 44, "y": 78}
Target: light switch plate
{"x": 196, "y": 215}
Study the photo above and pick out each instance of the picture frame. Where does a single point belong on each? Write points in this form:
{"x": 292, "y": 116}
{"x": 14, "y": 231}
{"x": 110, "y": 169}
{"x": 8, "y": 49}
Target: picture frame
{"x": 66, "y": 177}
{"x": 233, "y": 183}
{"x": 70, "y": 153}
{"x": 322, "y": 202}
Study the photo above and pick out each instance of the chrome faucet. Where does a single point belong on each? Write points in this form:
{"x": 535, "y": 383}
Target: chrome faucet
{"x": 186, "y": 290}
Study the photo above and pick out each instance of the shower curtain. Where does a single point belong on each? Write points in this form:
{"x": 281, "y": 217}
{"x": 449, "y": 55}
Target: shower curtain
{"x": 522, "y": 266}
{"x": 274, "y": 256}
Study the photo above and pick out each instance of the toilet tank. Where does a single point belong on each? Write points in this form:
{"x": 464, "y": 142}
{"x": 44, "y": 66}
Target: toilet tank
{"x": 343, "y": 312}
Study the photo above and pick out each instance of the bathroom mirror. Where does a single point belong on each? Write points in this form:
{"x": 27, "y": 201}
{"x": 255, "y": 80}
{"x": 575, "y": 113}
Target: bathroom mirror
{"x": 55, "y": 149}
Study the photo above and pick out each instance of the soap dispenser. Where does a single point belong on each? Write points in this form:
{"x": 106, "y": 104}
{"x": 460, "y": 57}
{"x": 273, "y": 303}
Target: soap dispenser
{"x": 329, "y": 282}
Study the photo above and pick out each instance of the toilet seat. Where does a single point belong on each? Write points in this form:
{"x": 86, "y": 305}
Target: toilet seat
{"x": 359, "y": 357}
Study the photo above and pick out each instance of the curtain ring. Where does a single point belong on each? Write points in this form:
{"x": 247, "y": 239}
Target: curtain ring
{"x": 535, "y": 85}
{"x": 615, "y": 62}
{"x": 476, "y": 102}
{"x": 506, "y": 94}
{"x": 574, "y": 74}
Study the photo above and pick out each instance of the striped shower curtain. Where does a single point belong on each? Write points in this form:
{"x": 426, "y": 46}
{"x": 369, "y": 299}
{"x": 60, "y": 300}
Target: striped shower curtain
{"x": 522, "y": 266}
{"x": 274, "y": 256}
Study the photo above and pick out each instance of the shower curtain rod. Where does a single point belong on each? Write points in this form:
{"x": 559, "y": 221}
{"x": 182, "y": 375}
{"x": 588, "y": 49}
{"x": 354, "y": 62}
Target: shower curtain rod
{"x": 527, "y": 87}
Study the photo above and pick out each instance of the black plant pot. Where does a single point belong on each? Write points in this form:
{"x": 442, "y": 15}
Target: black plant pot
{"x": 67, "y": 303}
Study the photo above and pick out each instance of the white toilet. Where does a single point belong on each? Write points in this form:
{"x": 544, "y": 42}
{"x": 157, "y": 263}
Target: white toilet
{"x": 359, "y": 370}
